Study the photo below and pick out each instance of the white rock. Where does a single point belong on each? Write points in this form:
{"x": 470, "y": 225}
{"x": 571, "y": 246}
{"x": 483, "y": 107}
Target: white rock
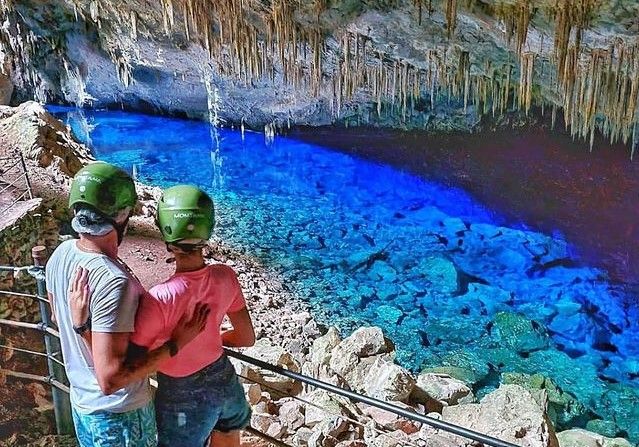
{"x": 510, "y": 413}
{"x": 328, "y": 404}
{"x": 321, "y": 349}
{"x": 276, "y": 430}
{"x": 262, "y": 421}
{"x": 301, "y": 436}
{"x": 364, "y": 342}
{"x": 443, "y": 388}
{"x": 323, "y": 373}
{"x": 292, "y": 415}
{"x": 388, "y": 381}
{"x": 352, "y": 443}
{"x": 390, "y": 420}
{"x": 268, "y": 352}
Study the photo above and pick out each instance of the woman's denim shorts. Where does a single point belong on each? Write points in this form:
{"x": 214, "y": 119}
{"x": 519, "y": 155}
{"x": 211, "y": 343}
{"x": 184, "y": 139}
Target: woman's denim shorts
{"x": 189, "y": 408}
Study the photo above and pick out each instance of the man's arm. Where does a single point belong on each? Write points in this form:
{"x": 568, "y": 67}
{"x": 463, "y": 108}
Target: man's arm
{"x": 118, "y": 362}
{"x": 52, "y": 304}
{"x": 242, "y": 334}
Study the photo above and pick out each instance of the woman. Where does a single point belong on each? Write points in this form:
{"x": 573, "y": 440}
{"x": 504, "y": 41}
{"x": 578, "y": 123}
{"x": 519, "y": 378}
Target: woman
{"x": 199, "y": 396}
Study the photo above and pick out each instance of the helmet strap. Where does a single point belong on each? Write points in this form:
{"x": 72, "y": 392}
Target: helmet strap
{"x": 121, "y": 229}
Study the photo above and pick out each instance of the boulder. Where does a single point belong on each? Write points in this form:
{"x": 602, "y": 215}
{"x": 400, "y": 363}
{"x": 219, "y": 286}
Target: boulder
{"x": 322, "y": 347}
{"x": 510, "y": 413}
{"x": 388, "y": 381}
{"x": 395, "y": 438}
{"x": 519, "y": 333}
{"x": 355, "y": 376}
{"x": 389, "y": 420}
{"x": 442, "y": 388}
{"x": 364, "y": 342}
{"x": 442, "y": 275}
{"x": 262, "y": 421}
{"x": 268, "y": 352}
{"x": 30, "y": 129}
{"x": 324, "y": 404}
{"x": 332, "y": 426}
{"x": 276, "y": 430}
{"x": 353, "y": 443}
{"x": 253, "y": 393}
{"x": 291, "y": 415}
{"x": 323, "y": 373}
{"x": 302, "y": 436}
{"x": 581, "y": 438}
{"x": 564, "y": 410}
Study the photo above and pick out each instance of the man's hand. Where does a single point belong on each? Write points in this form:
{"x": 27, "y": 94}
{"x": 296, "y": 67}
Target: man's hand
{"x": 189, "y": 328}
{"x": 79, "y": 297}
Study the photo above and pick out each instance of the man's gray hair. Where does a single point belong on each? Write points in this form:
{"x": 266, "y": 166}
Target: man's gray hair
{"x": 88, "y": 221}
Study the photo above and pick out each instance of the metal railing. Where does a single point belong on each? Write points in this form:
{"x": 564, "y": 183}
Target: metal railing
{"x": 58, "y": 381}
{"x": 14, "y": 179}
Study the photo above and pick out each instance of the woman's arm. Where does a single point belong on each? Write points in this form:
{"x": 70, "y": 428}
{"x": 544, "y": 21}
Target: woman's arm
{"x": 79, "y": 300}
{"x": 242, "y": 334}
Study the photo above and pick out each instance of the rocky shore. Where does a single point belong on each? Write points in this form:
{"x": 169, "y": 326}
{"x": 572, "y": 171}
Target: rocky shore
{"x": 522, "y": 409}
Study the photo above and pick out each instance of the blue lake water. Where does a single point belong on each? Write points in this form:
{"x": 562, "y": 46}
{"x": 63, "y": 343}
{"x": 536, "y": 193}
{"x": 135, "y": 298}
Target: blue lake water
{"x": 450, "y": 281}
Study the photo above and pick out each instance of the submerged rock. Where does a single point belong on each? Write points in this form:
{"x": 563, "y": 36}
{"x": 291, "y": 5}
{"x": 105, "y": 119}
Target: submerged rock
{"x": 564, "y": 410}
{"x": 519, "y": 333}
{"x": 582, "y": 438}
{"x": 442, "y": 275}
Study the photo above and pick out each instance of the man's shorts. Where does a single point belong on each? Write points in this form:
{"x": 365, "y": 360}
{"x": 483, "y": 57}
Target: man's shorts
{"x": 189, "y": 408}
{"x": 134, "y": 428}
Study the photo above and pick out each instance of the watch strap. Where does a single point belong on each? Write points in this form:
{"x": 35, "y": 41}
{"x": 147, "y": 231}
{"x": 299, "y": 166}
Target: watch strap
{"x": 83, "y": 328}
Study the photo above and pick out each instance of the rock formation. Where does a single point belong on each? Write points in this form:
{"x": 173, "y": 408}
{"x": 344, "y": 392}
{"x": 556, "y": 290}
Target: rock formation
{"x": 442, "y": 65}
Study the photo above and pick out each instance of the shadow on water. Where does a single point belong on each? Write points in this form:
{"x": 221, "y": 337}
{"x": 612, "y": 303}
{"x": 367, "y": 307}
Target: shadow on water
{"x": 454, "y": 246}
{"x": 547, "y": 180}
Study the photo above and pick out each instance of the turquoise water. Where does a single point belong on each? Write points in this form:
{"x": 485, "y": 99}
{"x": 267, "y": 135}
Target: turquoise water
{"x": 450, "y": 281}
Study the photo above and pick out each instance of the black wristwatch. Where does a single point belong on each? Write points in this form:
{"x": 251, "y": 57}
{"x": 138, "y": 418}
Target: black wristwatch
{"x": 82, "y": 329}
{"x": 173, "y": 347}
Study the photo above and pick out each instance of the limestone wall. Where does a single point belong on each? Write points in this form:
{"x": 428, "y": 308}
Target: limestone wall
{"x": 28, "y": 224}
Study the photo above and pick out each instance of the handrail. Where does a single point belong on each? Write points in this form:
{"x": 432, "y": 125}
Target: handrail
{"x": 43, "y": 327}
{"x": 445, "y": 426}
{"x": 50, "y": 380}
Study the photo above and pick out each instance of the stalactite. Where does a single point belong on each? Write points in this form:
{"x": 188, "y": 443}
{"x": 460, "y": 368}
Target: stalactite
{"x": 251, "y": 40}
{"x": 451, "y": 17}
{"x": 134, "y": 25}
{"x": 419, "y": 4}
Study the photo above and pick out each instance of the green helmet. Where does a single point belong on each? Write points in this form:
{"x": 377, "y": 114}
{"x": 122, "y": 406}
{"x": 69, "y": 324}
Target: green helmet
{"x": 105, "y": 187}
{"x": 185, "y": 212}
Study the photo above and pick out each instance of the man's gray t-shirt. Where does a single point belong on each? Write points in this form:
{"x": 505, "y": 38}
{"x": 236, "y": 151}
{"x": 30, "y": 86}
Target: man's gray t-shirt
{"x": 114, "y": 301}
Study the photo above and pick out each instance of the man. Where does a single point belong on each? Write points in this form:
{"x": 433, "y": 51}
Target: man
{"x": 110, "y": 395}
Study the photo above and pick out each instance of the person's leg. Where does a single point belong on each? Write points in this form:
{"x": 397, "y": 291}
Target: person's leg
{"x": 82, "y": 429}
{"x": 134, "y": 428}
{"x": 236, "y": 412}
{"x": 229, "y": 439}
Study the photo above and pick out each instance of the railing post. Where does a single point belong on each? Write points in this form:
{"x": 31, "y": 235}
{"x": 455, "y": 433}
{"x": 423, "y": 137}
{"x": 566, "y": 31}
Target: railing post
{"x": 26, "y": 175}
{"x": 61, "y": 402}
